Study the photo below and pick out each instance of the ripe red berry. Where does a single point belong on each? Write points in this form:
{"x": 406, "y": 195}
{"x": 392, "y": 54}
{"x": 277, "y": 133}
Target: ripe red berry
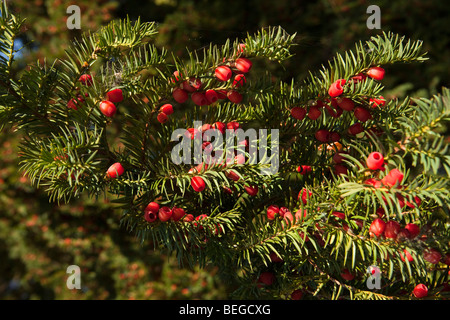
{"x": 108, "y": 108}
{"x": 432, "y": 256}
{"x": 339, "y": 215}
{"x": 346, "y": 104}
{"x": 375, "y": 161}
{"x": 272, "y": 212}
{"x": 394, "y": 177}
{"x": 340, "y": 169}
{"x": 85, "y": 79}
{"x": 199, "y": 98}
{"x": 177, "y": 76}
{"x": 198, "y": 184}
{"x": 297, "y": 294}
{"x": 377, "y": 227}
{"x": 420, "y": 291}
{"x": 223, "y": 73}
{"x": 413, "y": 229}
{"x": 177, "y": 213}
{"x": 406, "y": 255}
{"x": 239, "y": 80}
{"x": 322, "y": 135}
{"x": 336, "y": 88}
{"x": 115, "y": 95}
{"x": 298, "y": 113}
{"x": 392, "y": 229}
{"x": 243, "y": 64}
{"x": 115, "y": 170}
{"x": 233, "y": 125}
{"x": 162, "y": 117}
{"x": 304, "y": 169}
{"x": 251, "y": 190}
{"x": 334, "y": 136}
{"x": 314, "y": 112}
{"x": 192, "y": 85}
{"x": 211, "y": 96}
{"x": 376, "y": 73}
{"x": 377, "y": 102}
{"x": 234, "y": 96}
{"x": 347, "y": 275}
{"x": 73, "y": 103}
{"x": 164, "y": 214}
{"x": 304, "y": 195}
{"x": 150, "y": 216}
{"x": 354, "y": 129}
{"x": 266, "y": 278}
{"x": 374, "y": 182}
{"x": 219, "y": 126}
{"x": 180, "y": 95}
{"x": 152, "y": 206}
{"x": 166, "y": 108}
{"x": 362, "y": 114}
{"x": 188, "y": 218}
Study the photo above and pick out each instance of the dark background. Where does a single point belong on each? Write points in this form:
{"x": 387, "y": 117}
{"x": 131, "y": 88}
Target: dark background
{"x": 39, "y": 240}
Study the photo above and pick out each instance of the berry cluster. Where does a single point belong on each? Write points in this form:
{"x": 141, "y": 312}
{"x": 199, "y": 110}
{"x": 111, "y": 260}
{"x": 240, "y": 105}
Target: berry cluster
{"x": 334, "y": 105}
{"x": 153, "y": 212}
{"x": 193, "y": 86}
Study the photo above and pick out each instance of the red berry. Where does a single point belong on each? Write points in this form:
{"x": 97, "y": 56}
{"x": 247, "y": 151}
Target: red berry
{"x": 375, "y": 161}
{"x": 377, "y": 227}
{"x": 392, "y": 229}
{"x": 243, "y": 64}
{"x": 347, "y": 275}
{"x": 166, "y": 108}
{"x": 192, "y": 85}
{"x": 85, "y": 79}
{"x": 115, "y": 170}
{"x": 219, "y": 126}
{"x": 356, "y": 128}
{"x": 199, "y": 98}
{"x": 233, "y": 125}
{"x": 199, "y": 218}
{"x": 211, "y": 96}
{"x": 251, "y": 190}
{"x": 297, "y": 294}
{"x": 336, "y": 88}
{"x": 374, "y": 182}
{"x": 420, "y": 291}
{"x": 234, "y": 96}
{"x": 239, "y": 80}
{"x": 108, "y": 108}
{"x": 266, "y": 278}
{"x": 314, "y": 112}
{"x": 162, "y": 117}
{"x": 176, "y": 76}
{"x": 413, "y": 229}
{"x": 394, "y": 177}
{"x": 376, "y": 73}
{"x": 334, "y": 136}
{"x": 272, "y": 211}
{"x": 177, "y": 213}
{"x": 223, "y": 73}
{"x": 322, "y": 135}
{"x": 150, "y": 216}
{"x": 304, "y": 195}
{"x": 340, "y": 169}
{"x": 180, "y": 95}
{"x": 73, "y": 103}
{"x": 377, "y": 102}
{"x": 406, "y": 255}
{"x": 304, "y": 169}
{"x": 362, "y": 114}
{"x": 115, "y": 95}
{"x": 188, "y": 218}
{"x": 198, "y": 184}
{"x": 432, "y": 256}
{"x": 152, "y": 207}
{"x": 298, "y": 113}
{"x": 346, "y": 104}
{"x": 339, "y": 215}
{"x": 164, "y": 214}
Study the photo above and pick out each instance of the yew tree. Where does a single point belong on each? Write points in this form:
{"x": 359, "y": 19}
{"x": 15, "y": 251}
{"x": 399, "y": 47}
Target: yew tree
{"x": 311, "y": 189}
